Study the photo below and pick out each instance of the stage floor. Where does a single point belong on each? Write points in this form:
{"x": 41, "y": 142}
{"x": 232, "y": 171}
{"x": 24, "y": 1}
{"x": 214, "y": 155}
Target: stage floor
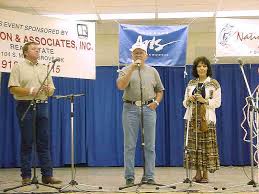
{"x": 111, "y": 178}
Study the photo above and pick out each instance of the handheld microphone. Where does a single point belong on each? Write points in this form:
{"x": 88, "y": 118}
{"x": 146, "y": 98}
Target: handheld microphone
{"x": 55, "y": 60}
{"x": 138, "y": 62}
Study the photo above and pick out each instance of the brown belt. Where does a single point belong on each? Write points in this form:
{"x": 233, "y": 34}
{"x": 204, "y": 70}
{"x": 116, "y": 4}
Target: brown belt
{"x": 37, "y": 101}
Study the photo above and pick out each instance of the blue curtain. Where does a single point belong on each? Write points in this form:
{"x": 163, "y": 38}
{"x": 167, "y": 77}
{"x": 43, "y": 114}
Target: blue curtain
{"x": 98, "y": 133}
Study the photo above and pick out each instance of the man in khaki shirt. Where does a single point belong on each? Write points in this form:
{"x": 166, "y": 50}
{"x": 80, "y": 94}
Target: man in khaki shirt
{"x": 24, "y": 83}
{"x": 152, "y": 93}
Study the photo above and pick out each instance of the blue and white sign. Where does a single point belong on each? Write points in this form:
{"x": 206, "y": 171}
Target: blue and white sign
{"x": 166, "y": 45}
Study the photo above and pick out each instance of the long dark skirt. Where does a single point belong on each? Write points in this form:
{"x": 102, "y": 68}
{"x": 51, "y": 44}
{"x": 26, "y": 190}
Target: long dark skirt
{"x": 206, "y": 156}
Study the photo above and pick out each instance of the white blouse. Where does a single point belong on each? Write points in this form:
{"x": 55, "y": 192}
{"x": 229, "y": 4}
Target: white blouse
{"x": 212, "y": 95}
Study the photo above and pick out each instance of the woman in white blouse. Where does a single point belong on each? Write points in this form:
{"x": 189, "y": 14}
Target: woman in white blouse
{"x": 202, "y": 97}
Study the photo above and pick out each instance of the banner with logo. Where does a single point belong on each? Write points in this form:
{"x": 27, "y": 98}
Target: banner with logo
{"x": 166, "y": 45}
{"x": 237, "y": 37}
{"x": 70, "y": 41}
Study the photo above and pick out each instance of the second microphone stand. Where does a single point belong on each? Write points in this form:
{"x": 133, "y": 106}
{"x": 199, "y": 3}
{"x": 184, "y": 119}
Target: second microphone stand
{"x": 142, "y": 140}
{"x": 252, "y": 112}
{"x": 73, "y": 182}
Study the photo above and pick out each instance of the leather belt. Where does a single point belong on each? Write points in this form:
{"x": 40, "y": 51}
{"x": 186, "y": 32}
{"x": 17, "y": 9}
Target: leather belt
{"x": 138, "y": 102}
{"x": 41, "y": 101}
{"x": 37, "y": 101}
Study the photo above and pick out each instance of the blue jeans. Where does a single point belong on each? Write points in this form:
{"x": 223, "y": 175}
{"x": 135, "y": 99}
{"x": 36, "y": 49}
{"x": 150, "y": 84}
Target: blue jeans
{"x": 131, "y": 120}
{"x": 42, "y": 138}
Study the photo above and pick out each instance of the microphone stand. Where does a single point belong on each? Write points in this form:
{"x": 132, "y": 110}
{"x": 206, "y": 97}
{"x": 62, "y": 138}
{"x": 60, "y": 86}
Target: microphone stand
{"x": 253, "y": 110}
{"x": 33, "y": 105}
{"x": 188, "y": 178}
{"x": 142, "y": 139}
{"x": 73, "y": 182}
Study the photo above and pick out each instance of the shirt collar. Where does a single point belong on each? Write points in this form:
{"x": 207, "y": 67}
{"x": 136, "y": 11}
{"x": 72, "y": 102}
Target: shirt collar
{"x": 31, "y": 63}
{"x": 206, "y": 80}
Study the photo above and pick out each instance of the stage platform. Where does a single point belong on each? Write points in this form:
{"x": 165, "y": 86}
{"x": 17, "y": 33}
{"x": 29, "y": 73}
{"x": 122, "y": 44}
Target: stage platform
{"x": 111, "y": 178}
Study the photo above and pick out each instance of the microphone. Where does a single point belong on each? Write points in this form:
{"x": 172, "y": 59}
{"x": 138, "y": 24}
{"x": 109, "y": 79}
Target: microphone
{"x": 138, "y": 62}
{"x": 239, "y": 60}
{"x": 55, "y": 60}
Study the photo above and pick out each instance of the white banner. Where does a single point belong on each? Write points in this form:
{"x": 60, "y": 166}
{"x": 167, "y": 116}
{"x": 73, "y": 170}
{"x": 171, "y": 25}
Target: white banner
{"x": 237, "y": 37}
{"x": 71, "y": 41}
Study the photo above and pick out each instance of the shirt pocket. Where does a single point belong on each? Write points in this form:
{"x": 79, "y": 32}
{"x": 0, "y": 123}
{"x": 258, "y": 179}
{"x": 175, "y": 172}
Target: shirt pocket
{"x": 41, "y": 74}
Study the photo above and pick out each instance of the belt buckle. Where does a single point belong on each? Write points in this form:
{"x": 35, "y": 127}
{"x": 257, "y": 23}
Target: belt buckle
{"x": 138, "y": 103}
{"x": 41, "y": 101}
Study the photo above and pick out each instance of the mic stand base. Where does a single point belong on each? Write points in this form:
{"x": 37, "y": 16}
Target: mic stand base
{"x": 251, "y": 182}
{"x": 187, "y": 180}
{"x": 191, "y": 183}
{"x": 139, "y": 185}
{"x": 74, "y": 183}
{"x": 33, "y": 182}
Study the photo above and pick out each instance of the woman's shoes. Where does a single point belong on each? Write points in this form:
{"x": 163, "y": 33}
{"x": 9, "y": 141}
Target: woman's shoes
{"x": 204, "y": 180}
{"x": 200, "y": 179}
{"x": 196, "y": 179}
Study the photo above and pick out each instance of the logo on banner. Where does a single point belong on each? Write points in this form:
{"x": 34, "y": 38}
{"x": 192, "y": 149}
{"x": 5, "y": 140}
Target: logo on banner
{"x": 153, "y": 44}
{"x": 166, "y": 45}
{"x": 225, "y": 34}
{"x": 82, "y": 30}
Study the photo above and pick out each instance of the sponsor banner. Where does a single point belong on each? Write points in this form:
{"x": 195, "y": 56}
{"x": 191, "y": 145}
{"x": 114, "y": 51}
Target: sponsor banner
{"x": 166, "y": 45}
{"x": 237, "y": 37}
{"x": 72, "y": 42}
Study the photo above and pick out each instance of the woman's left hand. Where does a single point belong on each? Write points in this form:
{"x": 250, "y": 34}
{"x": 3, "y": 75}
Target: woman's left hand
{"x": 199, "y": 98}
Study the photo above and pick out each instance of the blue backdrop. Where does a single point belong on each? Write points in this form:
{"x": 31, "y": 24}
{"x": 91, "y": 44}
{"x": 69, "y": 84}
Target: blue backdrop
{"x": 98, "y": 128}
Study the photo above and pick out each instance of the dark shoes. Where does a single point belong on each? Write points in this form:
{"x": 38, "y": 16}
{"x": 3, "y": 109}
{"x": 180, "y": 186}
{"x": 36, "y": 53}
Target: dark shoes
{"x": 144, "y": 180}
{"x": 151, "y": 181}
{"x": 129, "y": 181}
{"x": 50, "y": 180}
{"x": 26, "y": 181}
{"x": 148, "y": 180}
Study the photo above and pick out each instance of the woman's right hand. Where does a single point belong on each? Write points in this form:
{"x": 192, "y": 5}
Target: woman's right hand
{"x": 191, "y": 98}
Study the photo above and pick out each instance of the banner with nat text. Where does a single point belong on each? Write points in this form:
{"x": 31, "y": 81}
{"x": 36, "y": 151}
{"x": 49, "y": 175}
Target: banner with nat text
{"x": 237, "y": 37}
{"x": 166, "y": 44}
{"x": 71, "y": 41}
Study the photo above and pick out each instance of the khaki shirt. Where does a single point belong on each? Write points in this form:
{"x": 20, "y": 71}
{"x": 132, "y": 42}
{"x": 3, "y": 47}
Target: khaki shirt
{"x": 151, "y": 83}
{"x": 27, "y": 75}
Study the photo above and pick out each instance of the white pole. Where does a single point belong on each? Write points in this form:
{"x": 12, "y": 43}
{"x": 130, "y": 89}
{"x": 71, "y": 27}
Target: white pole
{"x": 257, "y": 128}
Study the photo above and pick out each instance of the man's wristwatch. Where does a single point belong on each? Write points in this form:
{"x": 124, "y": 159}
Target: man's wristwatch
{"x": 157, "y": 103}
